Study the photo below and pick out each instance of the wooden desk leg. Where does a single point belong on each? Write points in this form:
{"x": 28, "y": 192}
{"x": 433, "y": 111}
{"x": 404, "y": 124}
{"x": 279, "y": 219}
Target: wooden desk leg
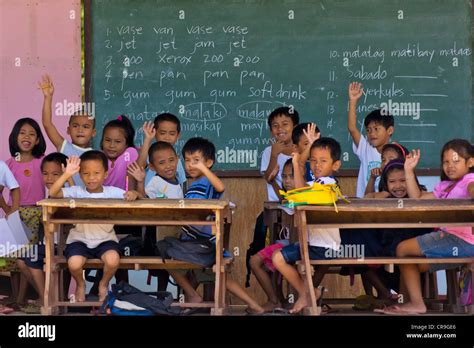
{"x": 219, "y": 295}
{"x": 51, "y": 286}
{"x": 308, "y": 270}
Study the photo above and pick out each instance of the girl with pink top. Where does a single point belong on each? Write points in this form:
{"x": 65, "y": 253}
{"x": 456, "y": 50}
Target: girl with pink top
{"x": 27, "y": 147}
{"x": 457, "y": 181}
{"x": 117, "y": 144}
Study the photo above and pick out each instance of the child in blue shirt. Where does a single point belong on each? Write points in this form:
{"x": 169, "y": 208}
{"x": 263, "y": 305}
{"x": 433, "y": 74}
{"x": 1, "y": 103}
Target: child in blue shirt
{"x": 199, "y": 157}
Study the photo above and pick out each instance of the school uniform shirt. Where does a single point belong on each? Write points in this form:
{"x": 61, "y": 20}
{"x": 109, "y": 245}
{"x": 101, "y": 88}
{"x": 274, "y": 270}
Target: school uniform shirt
{"x": 69, "y": 149}
{"x": 281, "y": 159}
{"x": 460, "y": 190}
{"x": 92, "y": 234}
{"x": 324, "y": 237}
{"x": 118, "y": 168}
{"x": 200, "y": 189}
{"x": 369, "y": 158}
{"x": 30, "y": 180}
{"x": 7, "y": 179}
{"x": 159, "y": 186}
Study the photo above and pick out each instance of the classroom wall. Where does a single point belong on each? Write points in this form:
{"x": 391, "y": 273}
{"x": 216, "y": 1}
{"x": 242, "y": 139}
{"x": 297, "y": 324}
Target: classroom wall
{"x": 37, "y": 37}
{"x": 47, "y": 41}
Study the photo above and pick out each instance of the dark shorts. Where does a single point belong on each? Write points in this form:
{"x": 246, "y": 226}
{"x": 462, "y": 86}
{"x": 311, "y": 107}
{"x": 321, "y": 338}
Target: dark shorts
{"x": 291, "y": 253}
{"x": 80, "y": 249}
{"x": 37, "y": 261}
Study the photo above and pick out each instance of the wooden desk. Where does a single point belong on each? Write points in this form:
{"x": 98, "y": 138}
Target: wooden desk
{"x": 166, "y": 212}
{"x": 372, "y": 213}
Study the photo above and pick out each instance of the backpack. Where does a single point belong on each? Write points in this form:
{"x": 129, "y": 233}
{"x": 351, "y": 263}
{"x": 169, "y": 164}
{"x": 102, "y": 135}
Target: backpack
{"x": 198, "y": 251}
{"x": 125, "y": 299}
{"x": 258, "y": 243}
{"x": 318, "y": 194}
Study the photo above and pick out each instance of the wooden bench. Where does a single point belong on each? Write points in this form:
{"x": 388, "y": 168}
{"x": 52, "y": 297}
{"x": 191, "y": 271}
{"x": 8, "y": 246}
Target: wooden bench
{"x": 379, "y": 213}
{"x": 136, "y": 263}
{"x": 169, "y": 212}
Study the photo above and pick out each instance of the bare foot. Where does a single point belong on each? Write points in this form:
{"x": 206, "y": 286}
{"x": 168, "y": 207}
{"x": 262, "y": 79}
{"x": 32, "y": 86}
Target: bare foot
{"x": 270, "y": 305}
{"x": 81, "y": 292}
{"x": 103, "y": 289}
{"x": 406, "y": 309}
{"x": 303, "y": 302}
{"x": 255, "y": 309}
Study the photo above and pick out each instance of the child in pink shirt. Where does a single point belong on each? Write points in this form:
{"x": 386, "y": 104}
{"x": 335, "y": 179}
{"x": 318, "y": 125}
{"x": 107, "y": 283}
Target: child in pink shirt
{"x": 117, "y": 144}
{"x": 457, "y": 182}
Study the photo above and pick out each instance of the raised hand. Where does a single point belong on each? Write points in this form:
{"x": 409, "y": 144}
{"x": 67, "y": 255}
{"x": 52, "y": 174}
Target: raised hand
{"x": 310, "y": 133}
{"x": 355, "y": 91}
{"x": 136, "y": 171}
{"x": 73, "y": 166}
{"x": 412, "y": 160}
{"x": 46, "y": 86}
{"x": 149, "y": 130}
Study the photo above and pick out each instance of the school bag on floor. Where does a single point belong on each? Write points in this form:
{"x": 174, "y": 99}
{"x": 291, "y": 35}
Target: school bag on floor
{"x": 125, "y": 299}
{"x": 199, "y": 251}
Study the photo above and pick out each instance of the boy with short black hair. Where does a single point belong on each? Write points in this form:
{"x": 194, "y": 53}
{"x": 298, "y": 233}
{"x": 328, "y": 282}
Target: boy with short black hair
{"x": 281, "y": 122}
{"x": 379, "y": 129}
{"x": 86, "y": 241}
{"x": 81, "y": 127}
{"x": 166, "y": 127}
{"x": 199, "y": 157}
{"x": 325, "y": 161}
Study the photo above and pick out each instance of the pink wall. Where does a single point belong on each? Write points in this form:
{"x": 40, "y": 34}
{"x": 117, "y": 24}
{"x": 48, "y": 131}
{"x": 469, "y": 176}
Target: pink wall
{"x": 46, "y": 39}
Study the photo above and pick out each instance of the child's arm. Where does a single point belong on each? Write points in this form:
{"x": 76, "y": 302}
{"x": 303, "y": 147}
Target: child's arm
{"x": 274, "y": 184}
{"x": 149, "y": 131}
{"x": 215, "y": 181}
{"x": 297, "y": 172}
{"x": 312, "y": 136}
{"x": 355, "y": 92}
{"x": 137, "y": 172}
{"x": 383, "y": 194}
{"x": 15, "y": 193}
{"x": 277, "y": 148}
{"x": 413, "y": 190}
{"x": 71, "y": 182}
{"x": 15, "y": 200}
{"x": 47, "y": 117}
{"x": 374, "y": 173}
{"x": 72, "y": 168}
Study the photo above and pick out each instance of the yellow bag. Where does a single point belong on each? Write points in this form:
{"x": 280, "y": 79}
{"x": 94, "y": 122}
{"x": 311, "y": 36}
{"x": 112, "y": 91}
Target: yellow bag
{"x": 318, "y": 194}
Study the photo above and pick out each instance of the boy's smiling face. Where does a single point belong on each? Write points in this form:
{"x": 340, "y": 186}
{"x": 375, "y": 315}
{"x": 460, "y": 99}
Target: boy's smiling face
{"x": 281, "y": 128}
{"x": 321, "y": 162}
{"x": 93, "y": 174}
{"x": 165, "y": 163}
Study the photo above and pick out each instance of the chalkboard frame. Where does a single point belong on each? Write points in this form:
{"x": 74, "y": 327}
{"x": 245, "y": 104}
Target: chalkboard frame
{"x": 233, "y": 173}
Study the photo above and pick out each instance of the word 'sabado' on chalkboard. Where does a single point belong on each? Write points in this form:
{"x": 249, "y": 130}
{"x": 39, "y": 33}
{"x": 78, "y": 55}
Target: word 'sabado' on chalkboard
{"x": 223, "y": 66}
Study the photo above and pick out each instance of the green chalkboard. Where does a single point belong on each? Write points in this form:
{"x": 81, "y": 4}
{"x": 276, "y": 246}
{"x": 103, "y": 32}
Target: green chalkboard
{"x": 222, "y": 66}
